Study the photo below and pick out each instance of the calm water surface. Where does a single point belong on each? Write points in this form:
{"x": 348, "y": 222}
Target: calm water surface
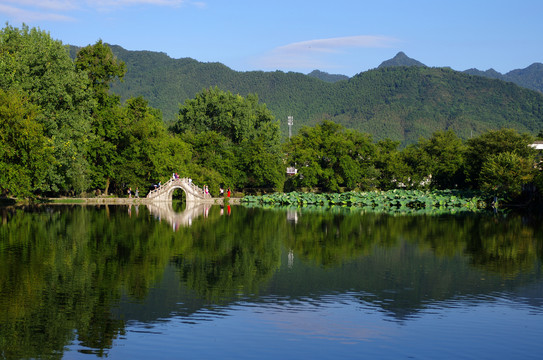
{"x": 81, "y": 282}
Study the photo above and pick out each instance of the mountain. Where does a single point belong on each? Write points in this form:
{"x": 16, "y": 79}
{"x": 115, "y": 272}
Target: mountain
{"x": 397, "y": 102}
{"x": 491, "y": 73}
{"x": 530, "y": 77}
{"x": 324, "y": 76}
{"x": 401, "y": 60}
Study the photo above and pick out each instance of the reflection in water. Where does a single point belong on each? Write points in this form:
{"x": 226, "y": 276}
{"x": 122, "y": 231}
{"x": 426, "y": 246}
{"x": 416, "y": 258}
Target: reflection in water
{"x": 88, "y": 278}
{"x": 164, "y": 211}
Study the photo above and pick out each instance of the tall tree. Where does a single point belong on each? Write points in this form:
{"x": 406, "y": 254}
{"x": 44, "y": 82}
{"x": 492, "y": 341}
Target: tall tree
{"x": 329, "y": 156}
{"x": 445, "y": 153}
{"x": 35, "y": 64}
{"x": 505, "y": 173}
{"x": 25, "y": 152}
{"x": 147, "y": 152}
{"x": 242, "y": 122}
{"x": 102, "y": 68}
{"x": 491, "y": 143}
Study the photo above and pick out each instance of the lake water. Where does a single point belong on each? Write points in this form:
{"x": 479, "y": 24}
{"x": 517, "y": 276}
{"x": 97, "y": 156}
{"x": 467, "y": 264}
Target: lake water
{"x": 81, "y": 282}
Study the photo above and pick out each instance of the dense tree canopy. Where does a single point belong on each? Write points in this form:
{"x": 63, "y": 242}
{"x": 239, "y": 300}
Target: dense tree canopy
{"x": 235, "y": 136}
{"x": 40, "y": 67}
{"x": 329, "y": 156}
{"x": 25, "y": 152}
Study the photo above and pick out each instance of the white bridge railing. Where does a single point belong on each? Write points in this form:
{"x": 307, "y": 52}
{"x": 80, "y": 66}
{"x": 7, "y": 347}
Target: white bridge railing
{"x": 192, "y": 191}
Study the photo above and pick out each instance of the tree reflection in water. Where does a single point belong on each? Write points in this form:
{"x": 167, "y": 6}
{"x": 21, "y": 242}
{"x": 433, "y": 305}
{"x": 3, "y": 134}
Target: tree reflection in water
{"x": 65, "y": 270}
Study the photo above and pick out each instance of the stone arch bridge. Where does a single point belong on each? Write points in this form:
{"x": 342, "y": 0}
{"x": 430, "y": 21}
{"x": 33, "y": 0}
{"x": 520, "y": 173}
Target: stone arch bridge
{"x": 165, "y": 192}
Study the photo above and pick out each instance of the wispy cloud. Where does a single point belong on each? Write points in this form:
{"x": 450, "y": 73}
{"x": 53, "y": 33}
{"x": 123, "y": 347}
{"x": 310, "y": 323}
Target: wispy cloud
{"x": 337, "y": 44}
{"x": 121, "y": 3}
{"x": 25, "y": 15}
{"x": 66, "y": 10}
{"x": 312, "y": 54}
{"x": 40, "y": 5}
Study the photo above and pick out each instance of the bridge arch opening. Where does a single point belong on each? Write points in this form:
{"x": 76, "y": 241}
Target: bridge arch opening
{"x": 179, "y": 199}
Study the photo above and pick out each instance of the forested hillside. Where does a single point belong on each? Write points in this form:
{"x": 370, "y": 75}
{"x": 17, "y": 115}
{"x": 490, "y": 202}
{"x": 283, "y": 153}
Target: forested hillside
{"x": 530, "y": 77}
{"x": 401, "y": 103}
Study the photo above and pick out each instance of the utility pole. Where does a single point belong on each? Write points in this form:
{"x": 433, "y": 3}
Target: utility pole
{"x": 290, "y": 122}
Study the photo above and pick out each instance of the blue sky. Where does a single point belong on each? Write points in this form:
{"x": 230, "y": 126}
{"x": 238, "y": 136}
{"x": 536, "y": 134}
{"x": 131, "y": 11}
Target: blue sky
{"x": 339, "y": 37}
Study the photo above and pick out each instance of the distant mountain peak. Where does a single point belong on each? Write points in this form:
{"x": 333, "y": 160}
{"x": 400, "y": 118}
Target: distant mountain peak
{"x": 401, "y": 60}
{"x": 324, "y": 76}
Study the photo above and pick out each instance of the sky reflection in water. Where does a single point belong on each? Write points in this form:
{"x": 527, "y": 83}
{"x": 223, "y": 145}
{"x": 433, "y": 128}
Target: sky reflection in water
{"x": 255, "y": 283}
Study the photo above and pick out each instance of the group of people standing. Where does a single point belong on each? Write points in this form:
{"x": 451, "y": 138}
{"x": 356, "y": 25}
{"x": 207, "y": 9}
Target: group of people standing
{"x": 136, "y": 194}
{"x": 228, "y": 192}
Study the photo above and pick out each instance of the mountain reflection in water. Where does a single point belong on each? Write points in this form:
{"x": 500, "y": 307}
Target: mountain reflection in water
{"x": 81, "y": 279}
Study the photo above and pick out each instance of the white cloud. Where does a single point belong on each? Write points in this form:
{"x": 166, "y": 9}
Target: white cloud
{"x": 62, "y": 5}
{"x": 66, "y": 10}
{"x": 121, "y": 3}
{"x": 336, "y": 44}
{"x": 23, "y": 15}
{"x": 317, "y": 54}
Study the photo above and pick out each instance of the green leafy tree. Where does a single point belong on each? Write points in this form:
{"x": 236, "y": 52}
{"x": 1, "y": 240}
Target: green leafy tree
{"x": 330, "y": 157}
{"x": 233, "y": 125}
{"x": 25, "y": 152}
{"x": 418, "y": 170}
{"x": 444, "y": 153}
{"x": 234, "y": 116}
{"x": 390, "y": 165}
{"x": 35, "y": 64}
{"x": 147, "y": 153}
{"x": 492, "y": 143}
{"x": 214, "y": 161}
{"x": 102, "y": 68}
{"x": 505, "y": 173}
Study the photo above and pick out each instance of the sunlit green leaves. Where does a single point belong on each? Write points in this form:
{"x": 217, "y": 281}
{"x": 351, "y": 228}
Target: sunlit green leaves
{"x": 388, "y": 201}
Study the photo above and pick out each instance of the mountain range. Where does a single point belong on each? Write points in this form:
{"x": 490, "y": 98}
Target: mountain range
{"x": 530, "y": 77}
{"x": 402, "y": 99}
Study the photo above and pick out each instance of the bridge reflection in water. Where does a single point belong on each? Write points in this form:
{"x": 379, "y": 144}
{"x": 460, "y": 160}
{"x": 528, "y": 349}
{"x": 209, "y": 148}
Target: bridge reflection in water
{"x": 165, "y": 211}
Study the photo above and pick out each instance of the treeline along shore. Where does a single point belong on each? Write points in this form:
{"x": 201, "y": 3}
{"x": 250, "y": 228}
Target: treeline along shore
{"x": 64, "y": 133}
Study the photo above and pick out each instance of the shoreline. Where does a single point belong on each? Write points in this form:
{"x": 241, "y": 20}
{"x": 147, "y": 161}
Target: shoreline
{"x": 116, "y": 201}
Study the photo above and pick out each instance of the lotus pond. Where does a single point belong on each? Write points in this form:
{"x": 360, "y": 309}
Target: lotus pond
{"x": 404, "y": 201}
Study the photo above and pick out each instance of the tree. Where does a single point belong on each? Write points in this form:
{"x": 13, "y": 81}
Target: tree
{"x": 331, "y": 157}
{"x": 492, "y": 143}
{"x": 25, "y": 152}
{"x": 445, "y": 154}
{"x": 233, "y": 124}
{"x": 233, "y": 116}
{"x": 505, "y": 173}
{"x": 35, "y": 64}
{"x": 102, "y": 68}
{"x": 390, "y": 165}
{"x": 147, "y": 153}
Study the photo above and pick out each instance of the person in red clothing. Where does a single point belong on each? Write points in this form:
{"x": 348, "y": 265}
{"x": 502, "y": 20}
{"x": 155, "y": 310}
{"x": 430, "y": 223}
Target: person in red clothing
{"x": 228, "y": 192}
